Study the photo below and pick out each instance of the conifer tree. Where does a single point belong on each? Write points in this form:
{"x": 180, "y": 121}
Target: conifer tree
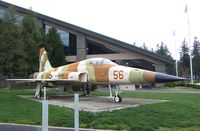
{"x": 31, "y": 37}
{"x": 196, "y": 58}
{"x": 11, "y": 54}
{"x": 163, "y": 50}
{"x": 184, "y": 60}
{"x": 55, "y": 48}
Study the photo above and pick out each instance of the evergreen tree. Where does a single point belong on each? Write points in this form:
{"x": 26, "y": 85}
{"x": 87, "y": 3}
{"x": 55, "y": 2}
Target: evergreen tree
{"x": 31, "y": 38}
{"x": 11, "y": 54}
{"x": 196, "y": 58}
{"x": 152, "y": 50}
{"x": 184, "y": 60}
{"x": 55, "y": 48}
{"x": 163, "y": 50}
{"x": 144, "y": 46}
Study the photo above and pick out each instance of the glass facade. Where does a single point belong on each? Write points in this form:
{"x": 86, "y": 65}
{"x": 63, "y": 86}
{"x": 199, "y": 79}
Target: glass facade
{"x": 63, "y": 35}
{"x": 1, "y": 13}
{"x": 18, "y": 17}
{"x": 68, "y": 41}
{"x": 97, "y": 48}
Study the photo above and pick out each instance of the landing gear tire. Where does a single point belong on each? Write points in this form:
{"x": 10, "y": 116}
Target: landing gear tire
{"x": 118, "y": 99}
{"x": 39, "y": 96}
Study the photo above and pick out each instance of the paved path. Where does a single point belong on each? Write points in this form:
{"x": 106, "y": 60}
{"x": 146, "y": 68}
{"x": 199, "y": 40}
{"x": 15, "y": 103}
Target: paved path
{"x": 21, "y": 127}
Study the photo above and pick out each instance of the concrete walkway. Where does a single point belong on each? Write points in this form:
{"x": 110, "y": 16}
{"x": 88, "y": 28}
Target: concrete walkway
{"x": 96, "y": 104}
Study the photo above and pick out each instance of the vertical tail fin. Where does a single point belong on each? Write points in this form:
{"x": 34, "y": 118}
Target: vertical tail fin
{"x": 44, "y": 61}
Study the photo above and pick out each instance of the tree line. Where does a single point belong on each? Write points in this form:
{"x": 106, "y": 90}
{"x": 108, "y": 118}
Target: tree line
{"x": 20, "y": 41}
{"x": 184, "y": 60}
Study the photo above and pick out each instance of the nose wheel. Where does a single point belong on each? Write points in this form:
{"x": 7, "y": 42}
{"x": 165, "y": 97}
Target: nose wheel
{"x": 117, "y": 97}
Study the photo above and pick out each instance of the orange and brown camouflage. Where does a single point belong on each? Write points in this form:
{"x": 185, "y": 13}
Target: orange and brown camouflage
{"x": 99, "y": 70}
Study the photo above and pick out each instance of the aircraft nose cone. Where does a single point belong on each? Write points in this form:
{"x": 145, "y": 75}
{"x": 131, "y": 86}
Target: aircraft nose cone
{"x": 159, "y": 78}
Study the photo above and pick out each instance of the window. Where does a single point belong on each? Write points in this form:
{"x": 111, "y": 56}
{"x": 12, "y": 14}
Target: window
{"x": 1, "y": 13}
{"x": 68, "y": 40}
{"x": 64, "y": 36}
{"x": 97, "y": 48}
{"x": 18, "y": 17}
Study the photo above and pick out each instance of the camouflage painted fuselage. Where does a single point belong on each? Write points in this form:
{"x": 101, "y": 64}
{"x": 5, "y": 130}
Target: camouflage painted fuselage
{"x": 101, "y": 70}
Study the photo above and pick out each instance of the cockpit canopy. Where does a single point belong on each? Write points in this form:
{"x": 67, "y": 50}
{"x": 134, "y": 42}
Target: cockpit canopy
{"x": 100, "y": 61}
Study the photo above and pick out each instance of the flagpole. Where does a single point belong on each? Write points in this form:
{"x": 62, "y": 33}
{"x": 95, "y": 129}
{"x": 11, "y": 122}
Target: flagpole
{"x": 191, "y": 70}
{"x": 176, "y": 63}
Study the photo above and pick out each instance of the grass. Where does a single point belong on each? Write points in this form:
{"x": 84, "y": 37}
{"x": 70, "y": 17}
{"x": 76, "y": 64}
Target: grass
{"x": 181, "y": 113}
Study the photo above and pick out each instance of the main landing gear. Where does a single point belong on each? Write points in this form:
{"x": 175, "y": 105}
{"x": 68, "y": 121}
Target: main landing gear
{"x": 117, "y": 97}
{"x": 86, "y": 90}
{"x": 38, "y": 92}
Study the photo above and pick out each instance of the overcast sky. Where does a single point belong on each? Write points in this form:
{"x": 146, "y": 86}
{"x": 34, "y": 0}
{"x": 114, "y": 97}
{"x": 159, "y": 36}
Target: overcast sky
{"x": 149, "y": 21}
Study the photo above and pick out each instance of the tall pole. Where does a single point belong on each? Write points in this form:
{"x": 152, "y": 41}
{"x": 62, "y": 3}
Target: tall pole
{"x": 191, "y": 70}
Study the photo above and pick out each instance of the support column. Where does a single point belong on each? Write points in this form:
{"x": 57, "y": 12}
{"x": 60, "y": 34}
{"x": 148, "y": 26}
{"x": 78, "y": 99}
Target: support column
{"x": 81, "y": 47}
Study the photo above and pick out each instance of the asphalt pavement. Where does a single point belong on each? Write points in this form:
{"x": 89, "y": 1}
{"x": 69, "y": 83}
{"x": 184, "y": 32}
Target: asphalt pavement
{"x": 21, "y": 127}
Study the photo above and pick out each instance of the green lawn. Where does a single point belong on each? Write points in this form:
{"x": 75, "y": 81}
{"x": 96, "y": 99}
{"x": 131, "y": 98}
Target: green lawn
{"x": 181, "y": 113}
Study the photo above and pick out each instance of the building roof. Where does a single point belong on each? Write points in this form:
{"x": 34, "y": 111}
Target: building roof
{"x": 92, "y": 33}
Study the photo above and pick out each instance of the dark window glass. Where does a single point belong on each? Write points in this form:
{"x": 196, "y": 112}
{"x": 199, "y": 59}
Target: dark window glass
{"x": 68, "y": 40}
{"x": 47, "y": 27}
{"x": 71, "y": 49}
{"x": 64, "y": 36}
{"x": 97, "y": 48}
{"x": 18, "y": 17}
{"x": 1, "y": 13}
{"x": 138, "y": 63}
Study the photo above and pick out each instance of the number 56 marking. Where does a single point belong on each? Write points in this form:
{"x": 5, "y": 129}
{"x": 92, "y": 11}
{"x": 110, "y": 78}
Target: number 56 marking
{"x": 118, "y": 74}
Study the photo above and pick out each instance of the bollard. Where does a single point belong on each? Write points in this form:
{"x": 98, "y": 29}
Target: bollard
{"x": 45, "y": 112}
{"x": 76, "y": 113}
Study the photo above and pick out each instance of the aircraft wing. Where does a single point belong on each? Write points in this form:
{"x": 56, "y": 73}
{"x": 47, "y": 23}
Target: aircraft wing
{"x": 43, "y": 80}
{"x": 75, "y": 77}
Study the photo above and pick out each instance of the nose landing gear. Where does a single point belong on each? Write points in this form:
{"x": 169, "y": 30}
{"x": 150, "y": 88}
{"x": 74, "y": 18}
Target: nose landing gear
{"x": 117, "y": 97}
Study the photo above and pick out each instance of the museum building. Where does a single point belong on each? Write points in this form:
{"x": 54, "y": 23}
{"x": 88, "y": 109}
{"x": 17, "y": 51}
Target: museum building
{"x": 80, "y": 44}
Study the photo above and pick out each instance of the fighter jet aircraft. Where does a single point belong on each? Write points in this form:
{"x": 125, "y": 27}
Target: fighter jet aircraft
{"x": 95, "y": 71}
